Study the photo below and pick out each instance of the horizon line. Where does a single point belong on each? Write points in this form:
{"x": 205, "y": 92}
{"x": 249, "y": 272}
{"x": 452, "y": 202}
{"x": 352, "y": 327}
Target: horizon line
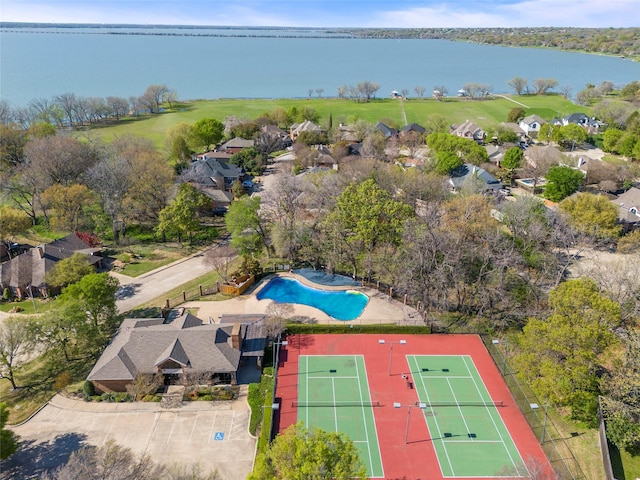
{"x": 275, "y": 27}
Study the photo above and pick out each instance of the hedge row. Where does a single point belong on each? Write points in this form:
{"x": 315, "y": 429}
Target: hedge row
{"x": 310, "y": 328}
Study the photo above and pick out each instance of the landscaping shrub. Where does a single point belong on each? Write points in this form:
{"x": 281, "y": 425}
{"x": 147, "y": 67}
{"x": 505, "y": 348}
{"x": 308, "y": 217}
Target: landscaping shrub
{"x": 107, "y": 397}
{"x": 206, "y": 398}
{"x": 342, "y": 329}
{"x": 6, "y": 295}
{"x": 88, "y": 389}
{"x": 260, "y": 394}
{"x": 62, "y": 380}
{"x": 122, "y": 397}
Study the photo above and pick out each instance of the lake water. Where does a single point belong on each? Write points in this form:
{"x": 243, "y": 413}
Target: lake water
{"x": 43, "y": 63}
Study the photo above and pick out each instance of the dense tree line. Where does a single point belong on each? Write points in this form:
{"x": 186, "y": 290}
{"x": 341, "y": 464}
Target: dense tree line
{"x": 611, "y": 41}
{"x": 70, "y": 110}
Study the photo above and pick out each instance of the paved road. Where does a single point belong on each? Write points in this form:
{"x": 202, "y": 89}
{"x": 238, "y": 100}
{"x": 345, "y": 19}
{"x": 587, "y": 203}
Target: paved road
{"x": 135, "y": 291}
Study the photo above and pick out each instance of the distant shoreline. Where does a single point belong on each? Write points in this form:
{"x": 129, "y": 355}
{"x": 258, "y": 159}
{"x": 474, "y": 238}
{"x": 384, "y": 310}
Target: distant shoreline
{"x": 567, "y": 39}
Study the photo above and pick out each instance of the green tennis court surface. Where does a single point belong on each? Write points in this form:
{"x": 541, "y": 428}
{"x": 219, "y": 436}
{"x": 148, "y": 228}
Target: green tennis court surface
{"x": 333, "y": 395}
{"x": 468, "y": 434}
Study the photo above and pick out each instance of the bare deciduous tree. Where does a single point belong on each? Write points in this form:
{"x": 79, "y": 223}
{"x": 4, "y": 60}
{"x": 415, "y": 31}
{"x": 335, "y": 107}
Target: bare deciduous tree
{"x": 153, "y": 97}
{"x": 220, "y": 259}
{"x": 145, "y": 384}
{"x": 439, "y": 92}
{"x": 419, "y": 90}
{"x": 113, "y": 462}
{"x": 543, "y": 85}
{"x": 276, "y": 320}
{"x": 519, "y": 85}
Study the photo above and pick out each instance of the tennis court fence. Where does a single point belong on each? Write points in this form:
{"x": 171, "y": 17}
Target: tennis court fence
{"x": 551, "y": 440}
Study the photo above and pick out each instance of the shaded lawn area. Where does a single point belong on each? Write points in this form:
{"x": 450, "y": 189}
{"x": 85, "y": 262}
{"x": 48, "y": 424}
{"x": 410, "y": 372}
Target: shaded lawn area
{"x": 483, "y": 112}
{"x": 36, "y": 381}
{"x": 625, "y": 465}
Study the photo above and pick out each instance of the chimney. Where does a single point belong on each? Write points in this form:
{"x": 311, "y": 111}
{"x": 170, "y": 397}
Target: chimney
{"x": 236, "y": 340}
{"x": 40, "y": 251}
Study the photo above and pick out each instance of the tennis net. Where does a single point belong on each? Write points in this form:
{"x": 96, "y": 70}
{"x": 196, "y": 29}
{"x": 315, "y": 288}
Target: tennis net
{"x": 497, "y": 403}
{"x": 334, "y": 404}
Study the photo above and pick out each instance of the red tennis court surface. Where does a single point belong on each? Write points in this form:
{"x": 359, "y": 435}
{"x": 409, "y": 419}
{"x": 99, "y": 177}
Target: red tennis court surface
{"x": 416, "y": 459}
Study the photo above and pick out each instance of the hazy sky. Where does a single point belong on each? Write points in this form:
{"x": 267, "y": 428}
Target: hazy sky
{"x": 331, "y": 13}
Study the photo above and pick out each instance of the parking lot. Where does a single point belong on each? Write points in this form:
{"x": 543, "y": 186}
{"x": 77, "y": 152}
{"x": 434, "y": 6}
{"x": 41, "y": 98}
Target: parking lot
{"x": 215, "y": 436}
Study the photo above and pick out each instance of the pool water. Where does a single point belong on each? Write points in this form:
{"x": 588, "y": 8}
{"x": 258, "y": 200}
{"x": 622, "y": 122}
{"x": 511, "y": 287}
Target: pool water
{"x": 341, "y": 304}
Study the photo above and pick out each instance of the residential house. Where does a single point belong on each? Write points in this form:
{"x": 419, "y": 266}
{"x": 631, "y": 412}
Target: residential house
{"x": 214, "y": 177}
{"x": 174, "y": 349}
{"x": 214, "y": 173}
{"x": 590, "y": 124}
{"x": 306, "y": 126}
{"x": 212, "y": 155}
{"x": 469, "y": 172}
{"x": 515, "y": 128}
{"x": 386, "y": 130}
{"x": 412, "y": 128}
{"x": 25, "y": 274}
{"x": 531, "y": 125}
{"x": 235, "y": 145}
{"x": 468, "y": 130}
{"x": 346, "y": 133}
{"x": 537, "y": 155}
{"x": 495, "y": 153}
{"x": 275, "y": 132}
{"x": 629, "y": 209}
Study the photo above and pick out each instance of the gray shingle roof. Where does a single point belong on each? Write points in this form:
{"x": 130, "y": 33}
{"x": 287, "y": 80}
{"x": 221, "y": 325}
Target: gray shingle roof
{"x": 140, "y": 346}
{"x": 460, "y": 174}
{"x": 31, "y": 267}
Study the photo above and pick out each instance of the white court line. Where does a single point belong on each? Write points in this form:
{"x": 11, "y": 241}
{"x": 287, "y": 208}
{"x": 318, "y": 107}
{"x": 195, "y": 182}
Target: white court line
{"x": 444, "y": 376}
{"x": 333, "y": 376}
{"x": 474, "y": 441}
{"x": 460, "y": 409}
{"x": 335, "y": 410}
{"x": 364, "y": 417}
{"x": 490, "y": 412}
{"x": 444, "y": 446}
{"x": 306, "y": 409}
{"x": 375, "y": 428}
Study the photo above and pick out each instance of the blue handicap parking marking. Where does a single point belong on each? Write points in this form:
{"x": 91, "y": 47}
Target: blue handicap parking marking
{"x": 218, "y": 436}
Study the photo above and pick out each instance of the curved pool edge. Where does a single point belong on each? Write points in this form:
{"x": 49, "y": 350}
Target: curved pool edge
{"x": 304, "y": 282}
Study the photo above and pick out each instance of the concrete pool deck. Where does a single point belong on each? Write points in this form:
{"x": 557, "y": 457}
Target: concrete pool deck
{"x": 379, "y": 309}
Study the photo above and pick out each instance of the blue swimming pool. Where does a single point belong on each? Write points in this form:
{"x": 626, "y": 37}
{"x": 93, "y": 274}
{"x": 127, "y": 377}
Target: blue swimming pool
{"x": 341, "y": 304}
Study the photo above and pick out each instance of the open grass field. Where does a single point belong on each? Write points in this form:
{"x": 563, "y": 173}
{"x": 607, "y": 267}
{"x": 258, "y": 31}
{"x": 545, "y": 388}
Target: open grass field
{"x": 455, "y": 110}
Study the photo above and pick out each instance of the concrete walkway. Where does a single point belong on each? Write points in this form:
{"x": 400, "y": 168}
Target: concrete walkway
{"x": 379, "y": 309}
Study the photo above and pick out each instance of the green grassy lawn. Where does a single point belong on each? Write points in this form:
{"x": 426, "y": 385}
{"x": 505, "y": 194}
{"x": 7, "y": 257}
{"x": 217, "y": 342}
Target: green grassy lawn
{"x": 483, "y": 112}
{"x": 141, "y": 259}
{"x": 36, "y": 386}
{"x": 28, "y": 307}
{"x": 584, "y": 444}
{"x": 631, "y": 465}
